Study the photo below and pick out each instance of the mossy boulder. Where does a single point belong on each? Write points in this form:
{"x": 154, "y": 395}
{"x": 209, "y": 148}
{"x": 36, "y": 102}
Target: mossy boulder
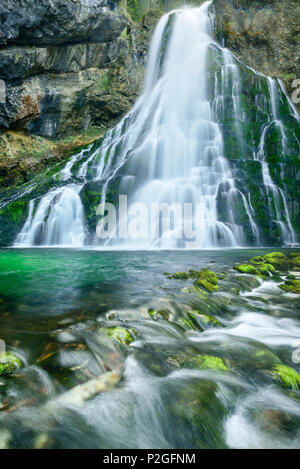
{"x": 278, "y": 260}
{"x": 181, "y": 276}
{"x": 286, "y": 377}
{"x": 295, "y": 260}
{"x": 9, "y": 363}
{"x": 266, "y": 269}
{"x": 247, "y": 269}
{"x": 208, "y": 362}
{"x": 207, "y": 280}
{"x": 291, "y": 286}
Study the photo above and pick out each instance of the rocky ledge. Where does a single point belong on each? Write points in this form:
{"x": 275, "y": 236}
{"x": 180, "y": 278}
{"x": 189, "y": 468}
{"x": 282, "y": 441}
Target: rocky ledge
{"x": 264, "y": 35}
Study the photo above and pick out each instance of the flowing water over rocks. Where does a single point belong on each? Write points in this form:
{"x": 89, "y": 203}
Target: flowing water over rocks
{"x": 117, "y": 352}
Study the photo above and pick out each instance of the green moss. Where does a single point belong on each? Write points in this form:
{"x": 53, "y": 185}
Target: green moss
{"x": 122, "y": 335}
{"x": 8, "y": 364}
{"x": 247, "y": 269}
{"x": 278, "y": 260}
{"x": 294, "y": 258}
{"x": 266, "y": 269}
{"x": 286, "y": 377}
{"x": 291, "y": 286}
{"x": 16, "y": 210}
{"x": 208, "y": 362}
{"x": 207, "y": 280}
{"x": 180, "y": 276}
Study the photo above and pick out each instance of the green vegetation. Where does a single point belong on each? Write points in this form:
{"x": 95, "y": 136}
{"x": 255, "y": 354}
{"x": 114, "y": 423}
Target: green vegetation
{"x": 291, "y": 286}
{"x": 207, "y": 280}
{"x": 8, "y": 364}
{"x": 247, "y": 269}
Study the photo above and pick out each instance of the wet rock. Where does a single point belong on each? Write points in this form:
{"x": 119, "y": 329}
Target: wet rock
{"x": 120, "y": 334}
{"x": 199, "y": 414}
{"x": 59, "y": 21}
{"x": 204, "y": 321}
{"x": 264, "y": 35}
{"x": 9, "y": 363}
{"x": 291, "y": 286}
{"x": 208, "y": 280}
{"x": 286, "y": 377}
{"x": 208, "y": 362}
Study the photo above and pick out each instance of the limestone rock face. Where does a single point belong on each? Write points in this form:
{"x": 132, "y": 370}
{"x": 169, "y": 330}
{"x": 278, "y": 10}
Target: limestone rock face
{"x": 264, "y": 35}
{"x": 58, "y": 21}
{"x": 73, "y": 76}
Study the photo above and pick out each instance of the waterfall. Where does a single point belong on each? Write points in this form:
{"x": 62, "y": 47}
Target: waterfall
{"x": 57, "y": 221}
{"x": 168, "y": 151}
{"x": 275, "y": 193}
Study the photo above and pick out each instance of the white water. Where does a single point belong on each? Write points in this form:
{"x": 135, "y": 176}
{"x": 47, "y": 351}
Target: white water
{"x": 180, "y": 157}
{"x": 172, "y": 148}
{"x": 57, "y": 220}
{"x": 275, "y": 193}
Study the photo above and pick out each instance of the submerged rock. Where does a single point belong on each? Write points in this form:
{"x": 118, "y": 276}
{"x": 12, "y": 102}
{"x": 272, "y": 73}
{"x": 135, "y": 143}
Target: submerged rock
{"x": 199, "y": 414}
{"x": 208, "y": 362}
{"x": 205, "y": 321}
{"x": 122, "y": 335}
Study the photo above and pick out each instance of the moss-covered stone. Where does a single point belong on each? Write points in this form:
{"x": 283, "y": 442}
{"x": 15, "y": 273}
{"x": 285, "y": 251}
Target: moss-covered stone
{"x": 266, "y": 269}
{"x": 207, "y": 280}
{"x": 122, "y": 335}
{"x": 9, "y": 363}
{"x": 206, "y": 321}
{"x": 286, "y": 377}
{"x": 291, "y": 286}
{"x": 277, "y": 260}
{"x": 295, "y": 260}
{"x": 118, "y": 333}
{"x": 247, "y": 269}
{"x": 208, "y": 362}
{"x": 181, "y": 276}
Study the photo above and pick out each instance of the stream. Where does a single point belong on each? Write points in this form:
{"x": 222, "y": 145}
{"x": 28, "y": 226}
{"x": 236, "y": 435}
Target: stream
{"x": 58, "y": 308}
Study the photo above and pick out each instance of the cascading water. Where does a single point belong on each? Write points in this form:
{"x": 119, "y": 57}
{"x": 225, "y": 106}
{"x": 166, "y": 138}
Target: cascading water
{"x": 57, "y": 220}
{"x": 274, "y": 192}
{"x": 170, "y": 150}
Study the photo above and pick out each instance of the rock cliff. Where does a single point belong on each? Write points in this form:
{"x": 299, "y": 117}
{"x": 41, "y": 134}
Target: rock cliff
{"x": 67, "y": 65}
{"x": 264, "y": 35}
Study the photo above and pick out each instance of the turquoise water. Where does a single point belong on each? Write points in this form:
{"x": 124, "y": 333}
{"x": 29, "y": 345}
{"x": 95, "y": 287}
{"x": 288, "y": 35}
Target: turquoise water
{"x": 55, "y": 306}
